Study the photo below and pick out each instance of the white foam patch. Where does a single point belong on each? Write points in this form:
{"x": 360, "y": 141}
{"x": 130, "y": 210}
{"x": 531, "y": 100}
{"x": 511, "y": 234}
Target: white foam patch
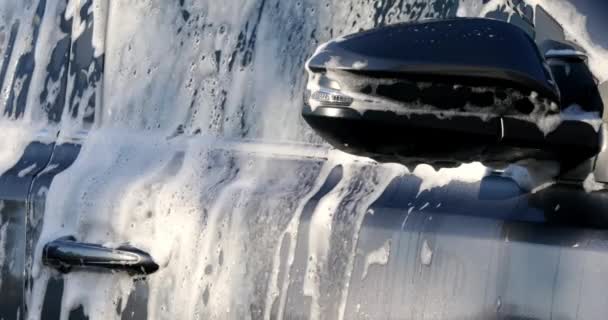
{"x": 591, "y": 185}
{"x": 359, "y": 65}
{"x": 376, "y": 257}
{"x": 375, "y": 179}
{"x": 21, "y": 16}
{"x": 292, "y": 233}
{"x": 49, "y": 168}
{"x": 26, "y": 171}
{"x": 431, "y": 178}
{"x": 32, "y": 125}
{"x": 544, "y": 114}
{"x": 426, "y": 254}
{"x": 16, "y": 136}
{"x": 478, "y": 8}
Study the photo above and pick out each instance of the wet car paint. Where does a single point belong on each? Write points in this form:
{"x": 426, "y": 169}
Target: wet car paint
{"x": 496, "y": 250}
{"x": 14, "y": 191}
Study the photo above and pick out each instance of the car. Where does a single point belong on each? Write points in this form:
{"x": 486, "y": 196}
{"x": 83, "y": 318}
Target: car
{"x": 303, "y": 159}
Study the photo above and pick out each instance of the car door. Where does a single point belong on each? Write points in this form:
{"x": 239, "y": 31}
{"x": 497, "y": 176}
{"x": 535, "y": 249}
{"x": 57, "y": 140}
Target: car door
{"x": 32, "y": 81}
{"x": 74, "y": 76}
{"x": 14, "y": 189}
{"x": 194, "y": 153}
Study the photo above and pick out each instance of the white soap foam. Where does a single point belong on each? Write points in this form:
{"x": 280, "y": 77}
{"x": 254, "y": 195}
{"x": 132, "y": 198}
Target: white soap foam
{"x": 377, "y": 257}
{"x": 374, "y": 180}
{"x": 292, "y": 233}
{"x": 575, "y": 27}
{"x": 548, "y": 123}
{"x": 49, "y": 168}
{"x": 480, "y": 9}
{"x": 22, "y": 16}
{"x": 431, "y": 178}
{"x": 591, "y": 185}
{"x": 426, "y": 254}
{"x": 16, "y": 136}
{"x": 32, "y": 125}
{"x": 26, "y": 171}
{"x": 383, "y": 177}
{"x": 543, "y": 114}
{"x": 359, "y": 64}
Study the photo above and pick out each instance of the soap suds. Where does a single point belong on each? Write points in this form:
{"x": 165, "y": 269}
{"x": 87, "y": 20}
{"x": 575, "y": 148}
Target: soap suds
{"x": 292, "y": 233}
{"x": 544, "y": 115}
{"x": 426, "y": 254}
{"x": 339, "y": 202}
{"x": 26, "y": 171}
{"x": 468, "y": 173}
{"x": 591, "y": 185}
{"x": 16, "y": 136}
{"x": 377, "y": 257}
{"x": 49, "y": 168}
{"x": 359, "y": 65}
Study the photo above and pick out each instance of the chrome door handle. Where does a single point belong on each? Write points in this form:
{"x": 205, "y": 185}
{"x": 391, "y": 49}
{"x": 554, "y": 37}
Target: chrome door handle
{"x": 66, "y": 253}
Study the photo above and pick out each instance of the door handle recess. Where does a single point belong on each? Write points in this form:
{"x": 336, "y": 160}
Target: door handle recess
{"x": 66, "y": 253}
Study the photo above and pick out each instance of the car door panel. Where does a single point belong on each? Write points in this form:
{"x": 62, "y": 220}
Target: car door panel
{"x": 15, "y": 185}
{"x": 63, "y": 156}
{"x": 37, "y": 49}
{"x": 28, "y": 129}
{"x": 439, "y": 255}
{"x": 11, "y": 247}
{"x": 248, "y": 225}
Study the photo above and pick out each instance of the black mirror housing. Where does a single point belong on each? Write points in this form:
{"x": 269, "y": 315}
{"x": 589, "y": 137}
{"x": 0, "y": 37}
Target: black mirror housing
{"x": 482, "y": 50}
{"x": 449, "y": 91}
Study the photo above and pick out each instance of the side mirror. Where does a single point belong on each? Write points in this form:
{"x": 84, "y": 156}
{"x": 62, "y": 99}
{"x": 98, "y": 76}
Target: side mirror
{"x": 444, "y": 92}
